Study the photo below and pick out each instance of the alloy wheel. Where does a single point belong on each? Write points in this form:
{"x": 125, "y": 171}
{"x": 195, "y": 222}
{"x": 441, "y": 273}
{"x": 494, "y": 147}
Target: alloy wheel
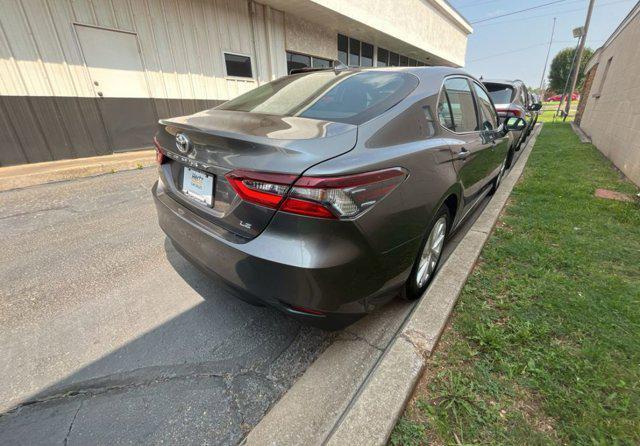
{"x": 431, "y": 252}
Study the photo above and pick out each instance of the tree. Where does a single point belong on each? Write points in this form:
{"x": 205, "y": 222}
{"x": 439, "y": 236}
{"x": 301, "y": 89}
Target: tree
{"x": 561, "y": 65}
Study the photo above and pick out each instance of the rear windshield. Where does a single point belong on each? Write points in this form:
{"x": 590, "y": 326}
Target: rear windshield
{"x": 500, "y": 93}
{"x": 349, "y": 97}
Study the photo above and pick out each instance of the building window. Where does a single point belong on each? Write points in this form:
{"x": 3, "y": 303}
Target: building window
{"x": 367, "y": 55}
{"x": 318, "y": 62}
{"x": 296, "y": 61}
{"x": 394, "y": 59}
{"x": 343, "y": 49}
{"x": 354, "y": 52}
{"x": 238, "y": 65}
{"x": 383, "y": 57}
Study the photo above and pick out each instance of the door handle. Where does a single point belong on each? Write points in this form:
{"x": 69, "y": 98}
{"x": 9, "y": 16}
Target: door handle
{"x": 463, "y": 153}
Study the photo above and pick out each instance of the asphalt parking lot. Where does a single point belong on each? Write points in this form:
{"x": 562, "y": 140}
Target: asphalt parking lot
{"x": 109, "y": 336}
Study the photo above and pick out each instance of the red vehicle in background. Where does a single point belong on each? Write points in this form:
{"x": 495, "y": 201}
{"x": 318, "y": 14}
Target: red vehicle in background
{"x": 556, "y": 98}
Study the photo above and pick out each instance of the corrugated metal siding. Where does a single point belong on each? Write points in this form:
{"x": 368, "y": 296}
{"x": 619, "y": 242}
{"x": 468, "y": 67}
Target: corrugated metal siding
{"x": 48, "y": 105}
{"x": 181, "y": 43}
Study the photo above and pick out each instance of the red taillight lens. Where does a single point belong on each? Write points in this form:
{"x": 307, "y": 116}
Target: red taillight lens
{"x": 159, "y": 152}
{"x": 266, "y": 189}
{"x": 322, "y": 197}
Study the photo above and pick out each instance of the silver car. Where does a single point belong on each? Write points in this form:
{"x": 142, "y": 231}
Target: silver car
{"x": 512, "y": 99}
{"x": 325, "y": 194}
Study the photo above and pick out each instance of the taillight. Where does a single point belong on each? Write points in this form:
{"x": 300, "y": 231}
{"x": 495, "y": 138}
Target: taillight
{"x": 510, "y": 112}
{"x": 342, "y": 197}
{"x": 159, "y": 152}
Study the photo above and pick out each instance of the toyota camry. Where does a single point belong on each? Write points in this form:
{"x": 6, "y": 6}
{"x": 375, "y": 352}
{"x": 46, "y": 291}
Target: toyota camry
{"x": 326, "y": 193}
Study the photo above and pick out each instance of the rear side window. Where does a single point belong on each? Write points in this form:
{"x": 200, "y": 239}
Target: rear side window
{"x": 487, "y": 111}
{"x": 461, "y": 105}
{"x": 349, "y": 97}
{"x": 500, "y": 93}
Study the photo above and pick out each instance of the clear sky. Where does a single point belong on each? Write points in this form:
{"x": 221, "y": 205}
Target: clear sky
{"x": 515, "y": 47}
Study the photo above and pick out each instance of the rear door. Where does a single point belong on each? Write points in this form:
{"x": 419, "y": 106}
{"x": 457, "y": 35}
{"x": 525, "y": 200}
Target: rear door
{"x": 473, "y": 155}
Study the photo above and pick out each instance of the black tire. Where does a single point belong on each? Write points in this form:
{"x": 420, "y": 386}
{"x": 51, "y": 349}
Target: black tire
{"x": 498, "y": 179}
{"x": 412, "y": 290}
{"x": 510, "y": 156}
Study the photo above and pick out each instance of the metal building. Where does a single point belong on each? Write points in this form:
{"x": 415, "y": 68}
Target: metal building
{"x": 91, "y": 77}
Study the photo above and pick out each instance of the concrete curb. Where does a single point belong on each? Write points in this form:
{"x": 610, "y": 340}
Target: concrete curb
{"x": 584, "y": 138}
{"x": 374, "y": 412}
{"x": 25, "y": 175}
{"x": 356, "y": 390}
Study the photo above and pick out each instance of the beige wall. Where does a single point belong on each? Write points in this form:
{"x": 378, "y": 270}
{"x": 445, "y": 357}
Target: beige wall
{"x": 306, "y": 37}
{"x": 420, "y": 23}
{"x": 181, "y": 43}
{"x": 612, "y": 120}
{"x": 426, "y": 30}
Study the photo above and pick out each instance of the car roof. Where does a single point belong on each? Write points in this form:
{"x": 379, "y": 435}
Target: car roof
{"x": 428, "y": 75}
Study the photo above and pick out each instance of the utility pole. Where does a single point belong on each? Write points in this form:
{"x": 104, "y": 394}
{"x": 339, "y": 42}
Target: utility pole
{"x": 566, "y": 83}
{"x": 583, "y": 39}
{"x": 546, "y": 61}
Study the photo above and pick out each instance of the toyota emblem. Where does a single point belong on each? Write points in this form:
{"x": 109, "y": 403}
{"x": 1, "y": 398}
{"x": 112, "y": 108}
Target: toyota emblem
{"x": 183, "y": 144}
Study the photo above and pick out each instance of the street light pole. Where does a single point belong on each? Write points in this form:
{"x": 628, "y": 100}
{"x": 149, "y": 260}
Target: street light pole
{"x": 576, "y": 71}
{"x": 546, "y": 61}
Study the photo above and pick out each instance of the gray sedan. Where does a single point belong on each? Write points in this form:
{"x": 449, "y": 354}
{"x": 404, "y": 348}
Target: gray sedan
{"x": 327, "y": 193}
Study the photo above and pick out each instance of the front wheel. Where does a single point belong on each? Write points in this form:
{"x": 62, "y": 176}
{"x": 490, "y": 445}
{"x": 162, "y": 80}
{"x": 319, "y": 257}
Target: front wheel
{"x": 428, "y": 260}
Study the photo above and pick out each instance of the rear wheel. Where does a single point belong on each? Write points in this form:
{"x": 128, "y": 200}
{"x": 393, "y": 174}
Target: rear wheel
{"x": 429, "y": 256}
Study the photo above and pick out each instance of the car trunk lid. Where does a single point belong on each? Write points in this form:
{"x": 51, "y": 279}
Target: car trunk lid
{"x": 220, "y": 141}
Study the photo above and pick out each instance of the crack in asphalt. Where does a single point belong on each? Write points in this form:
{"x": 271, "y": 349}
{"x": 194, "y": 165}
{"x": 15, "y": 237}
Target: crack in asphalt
{"x": 37, "y": 211}
{"x": 73, "y": 420}
{"x": 91, "y": 391}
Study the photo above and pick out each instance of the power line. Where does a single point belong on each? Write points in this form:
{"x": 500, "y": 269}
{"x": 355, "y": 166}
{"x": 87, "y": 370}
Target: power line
{"x": 510, "y": 52}
{"x": 522, "y": 19}
{"x": 544, "y": 70}
{"x": 527, "y": 48}
{"x": 518, "y": 12}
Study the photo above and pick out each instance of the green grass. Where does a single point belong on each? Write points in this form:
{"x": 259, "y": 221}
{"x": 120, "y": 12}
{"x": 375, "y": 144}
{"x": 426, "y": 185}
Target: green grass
{"x": 544, "y": 344}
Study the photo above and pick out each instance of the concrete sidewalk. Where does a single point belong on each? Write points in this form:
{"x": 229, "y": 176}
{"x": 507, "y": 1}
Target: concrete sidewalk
{"x": 25, "y": 175}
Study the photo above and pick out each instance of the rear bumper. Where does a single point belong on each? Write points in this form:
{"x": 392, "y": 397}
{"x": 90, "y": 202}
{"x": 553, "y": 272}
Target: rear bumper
{"x": 329, "y": 268}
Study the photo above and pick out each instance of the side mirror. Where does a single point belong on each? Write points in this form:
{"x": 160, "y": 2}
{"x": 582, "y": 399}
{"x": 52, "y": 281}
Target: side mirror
{"x": 536, "y": 107}
{"x": 514, "y": 124}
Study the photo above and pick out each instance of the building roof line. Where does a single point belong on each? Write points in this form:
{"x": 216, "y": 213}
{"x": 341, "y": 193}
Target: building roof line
{"x": 596, "y": 55}
{"x": 448, "y": 9}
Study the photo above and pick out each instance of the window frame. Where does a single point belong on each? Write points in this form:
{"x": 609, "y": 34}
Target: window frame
{"x": 311, "y": 59}
{"x": 473, "y": 95}
{"x": 605, "y": 73}
{"x": 479, "y": 110}
{"x": 230, "y": 76}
